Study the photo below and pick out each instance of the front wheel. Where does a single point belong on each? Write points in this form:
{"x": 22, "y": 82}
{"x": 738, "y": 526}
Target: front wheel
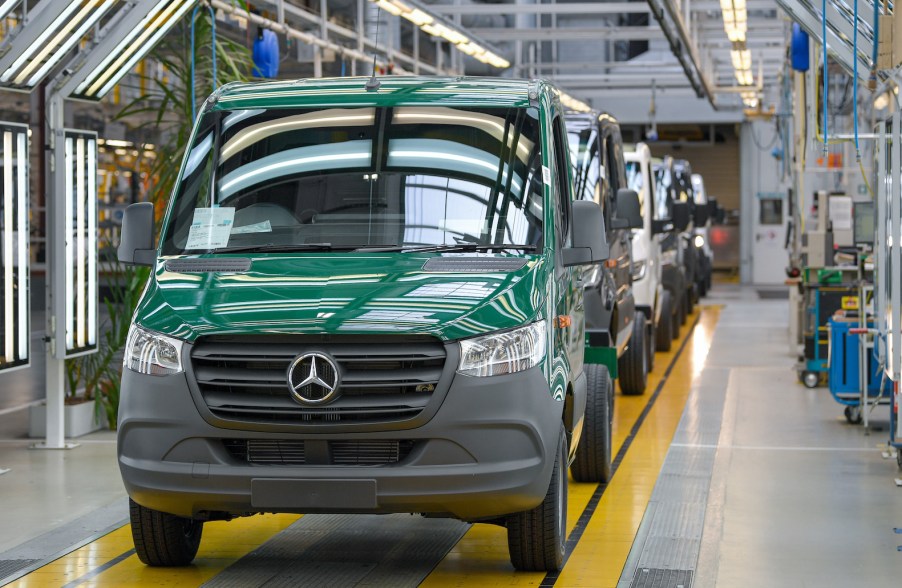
{"x": 664, "y": 329}
{"x": 536, "y": 538}
{"x": 592, "y": 462}
{"x": 163, "y": 539}
{"x": 633, "y": 364}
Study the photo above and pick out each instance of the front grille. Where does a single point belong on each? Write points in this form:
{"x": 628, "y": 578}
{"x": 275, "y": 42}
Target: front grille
{"x": 341, "y": 452}
{"x": 383, "y": 379}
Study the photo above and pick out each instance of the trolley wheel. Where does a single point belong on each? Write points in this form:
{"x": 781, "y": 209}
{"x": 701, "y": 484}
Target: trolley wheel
{"x": 853, "y": 414}
{"x": 810, "y": 379}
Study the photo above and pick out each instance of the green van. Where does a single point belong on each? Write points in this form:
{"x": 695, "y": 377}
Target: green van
{"x": 362, "y": 300}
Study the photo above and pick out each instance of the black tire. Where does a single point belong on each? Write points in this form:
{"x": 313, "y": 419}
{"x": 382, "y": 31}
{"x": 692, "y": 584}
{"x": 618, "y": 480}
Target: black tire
{"x": 690, "y": 302}
{"x": 633, "y": 364}
{"x": 677, "y": 316}
{"x": 664, "y": 329}
{"x": 650, "y": 343}
{"x": 592, "y": 462}
{"x": 684, "y": 309}
{"x": 163, "y": 539}
{"x": 708, "y": 281}
{"x": 536, "y": 538}
{"x": 703, "y": 288}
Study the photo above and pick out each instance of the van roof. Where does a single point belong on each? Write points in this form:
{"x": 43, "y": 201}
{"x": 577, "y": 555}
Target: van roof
{"x": 394, "y": 90}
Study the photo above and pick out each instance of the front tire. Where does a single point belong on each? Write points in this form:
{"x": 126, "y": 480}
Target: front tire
{"x": 664, "y": 330}
{"x": 536, "y": 538}
{"x": 163, "y": 539}
{"x": 633, "y": 364}
{"x": 592, "y": 462}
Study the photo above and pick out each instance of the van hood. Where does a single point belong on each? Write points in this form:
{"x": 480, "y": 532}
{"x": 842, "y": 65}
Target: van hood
{"x": 447, "y": 296}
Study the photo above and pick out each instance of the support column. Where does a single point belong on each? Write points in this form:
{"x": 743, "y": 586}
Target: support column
{"x": 55, "y": 374}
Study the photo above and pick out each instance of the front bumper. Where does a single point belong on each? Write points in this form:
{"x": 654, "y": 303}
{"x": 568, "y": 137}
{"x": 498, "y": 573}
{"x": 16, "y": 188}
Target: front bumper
{"x": 488, "y": 451}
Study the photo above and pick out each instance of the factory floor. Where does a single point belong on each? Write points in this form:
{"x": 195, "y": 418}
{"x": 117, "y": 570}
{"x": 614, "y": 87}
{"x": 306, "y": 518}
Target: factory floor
{"x": 728, "y": 473}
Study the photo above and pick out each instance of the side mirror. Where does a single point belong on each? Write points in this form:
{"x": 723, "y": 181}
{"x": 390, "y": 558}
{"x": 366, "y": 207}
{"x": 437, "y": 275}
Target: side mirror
{"x": 701, "y": 216}
{"x": 589, "y": 242}
{"x": 721, "y": 217}
{"x": 629, "y": 210}
{"x": 136, "y": 240}
{"x": 680, "y": 216}
{"x": 716, "y": 211}
{"x": 661, "y": 226}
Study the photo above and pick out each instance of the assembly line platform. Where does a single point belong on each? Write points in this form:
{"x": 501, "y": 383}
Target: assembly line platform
{"x": 728, "y": 473}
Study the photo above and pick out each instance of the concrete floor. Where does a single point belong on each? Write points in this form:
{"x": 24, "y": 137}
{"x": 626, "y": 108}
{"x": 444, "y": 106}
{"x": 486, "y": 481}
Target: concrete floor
{"x": 765, "y": 482}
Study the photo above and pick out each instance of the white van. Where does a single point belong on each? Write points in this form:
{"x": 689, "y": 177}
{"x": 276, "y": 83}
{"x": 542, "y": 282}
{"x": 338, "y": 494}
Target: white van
{"x": 648, "y": 290}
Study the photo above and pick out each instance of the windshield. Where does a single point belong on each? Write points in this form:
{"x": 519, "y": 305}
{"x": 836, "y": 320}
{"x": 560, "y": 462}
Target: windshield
{"x": 662, "y": 193}
{"x": 635, "y": 181}
{"x": 349, "y": 178}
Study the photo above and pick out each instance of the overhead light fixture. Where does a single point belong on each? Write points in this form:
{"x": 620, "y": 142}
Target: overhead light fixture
{"x": 47, "y": 39}
{"x": 6, "y": 7}
{"x": 80, "y": 270}
{"x": 742, "y": 58}
{"x": 735, "y": 19}
{"x": 572, "y": 104}
{"x": 432, "y": 25}
{"x": 14, "y": 304}
{"x": 133, "y": 47}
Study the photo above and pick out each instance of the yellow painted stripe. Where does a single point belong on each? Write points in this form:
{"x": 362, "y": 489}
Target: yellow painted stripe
{"x": 481, "y": 557}
{"x": 598, "y": 558}
{"x": 223, "y": 543}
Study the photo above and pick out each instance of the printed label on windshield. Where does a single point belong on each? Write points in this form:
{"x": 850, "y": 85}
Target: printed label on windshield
{"x": 546, "y": 175}
{"x": 264, "y": 227}
{"x": 210, "y": 228}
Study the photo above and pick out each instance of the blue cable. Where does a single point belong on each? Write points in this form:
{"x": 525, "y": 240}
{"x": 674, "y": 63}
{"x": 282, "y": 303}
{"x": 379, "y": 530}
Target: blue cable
{"x": 824, "y": 42}
{"x": 855, "y": 75}
{"x": 213, "y": 44}
{"x": 876, "y": 40}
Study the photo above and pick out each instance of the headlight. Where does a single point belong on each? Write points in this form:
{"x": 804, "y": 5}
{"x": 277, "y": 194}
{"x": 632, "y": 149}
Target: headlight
{"x": 699, "y": 241}
{"x": 503, "y": 353}
{"x": 152, "y": 354}
{"x": 638, "y": 270}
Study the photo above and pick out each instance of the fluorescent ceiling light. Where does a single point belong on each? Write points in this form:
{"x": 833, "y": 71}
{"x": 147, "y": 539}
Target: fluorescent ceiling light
{"x": 430, "y": 25}
{"x": 159, "y": 20}
{"x": 742, "y": 58}
{"x": 6, "y": 7}
{"x": 571, "y": 103}
{"x": 55, "y": 41}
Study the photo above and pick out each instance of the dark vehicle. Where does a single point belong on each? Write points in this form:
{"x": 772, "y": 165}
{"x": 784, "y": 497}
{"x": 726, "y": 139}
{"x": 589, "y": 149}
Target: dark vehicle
{"x": 612, "y": 319}
{"x": 677, "y": 272}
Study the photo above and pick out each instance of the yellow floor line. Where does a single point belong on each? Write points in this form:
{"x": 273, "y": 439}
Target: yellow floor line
{"x": 222, "y": 544}
{"x": 481, "y": 559}
{"x": 598, "y": 558}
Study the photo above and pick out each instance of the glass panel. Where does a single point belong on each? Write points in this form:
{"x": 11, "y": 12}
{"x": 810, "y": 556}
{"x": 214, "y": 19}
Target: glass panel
{"x": 357, "y": 177}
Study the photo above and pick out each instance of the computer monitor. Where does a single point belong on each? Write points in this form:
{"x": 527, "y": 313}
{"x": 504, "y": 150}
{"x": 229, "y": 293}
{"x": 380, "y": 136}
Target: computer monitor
{"x": 863, "y": 223}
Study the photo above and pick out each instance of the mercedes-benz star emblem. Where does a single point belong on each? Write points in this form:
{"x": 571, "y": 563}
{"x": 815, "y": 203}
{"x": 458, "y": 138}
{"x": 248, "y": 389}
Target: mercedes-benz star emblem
{"x": 313, "y": 378}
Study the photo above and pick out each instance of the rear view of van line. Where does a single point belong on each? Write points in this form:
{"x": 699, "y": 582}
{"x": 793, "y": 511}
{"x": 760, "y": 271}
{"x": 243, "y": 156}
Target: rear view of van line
{"x": 361, "y": 302}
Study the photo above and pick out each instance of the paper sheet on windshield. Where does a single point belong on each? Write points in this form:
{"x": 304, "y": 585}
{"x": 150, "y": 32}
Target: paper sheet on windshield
{"x": 264, "y": 227}
{"x": 210, "y": 228}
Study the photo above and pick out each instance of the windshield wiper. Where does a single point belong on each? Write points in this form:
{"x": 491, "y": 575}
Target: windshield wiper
{"x": 454, "y": 247}
{"x": 275, "y": 247}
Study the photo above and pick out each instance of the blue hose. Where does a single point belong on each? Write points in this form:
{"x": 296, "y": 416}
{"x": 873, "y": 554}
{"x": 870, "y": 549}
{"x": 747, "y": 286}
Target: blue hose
{"x": 213, "y": 44}
{"x": 824, "y": 42}
{"x": 876, "y": 39}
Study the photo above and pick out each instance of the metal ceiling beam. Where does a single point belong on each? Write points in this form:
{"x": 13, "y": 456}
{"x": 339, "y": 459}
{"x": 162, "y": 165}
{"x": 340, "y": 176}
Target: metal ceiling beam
{"x": 570, "y": 34}
{"x": 682, "y": 45}
{"x": 558, "y": 9}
